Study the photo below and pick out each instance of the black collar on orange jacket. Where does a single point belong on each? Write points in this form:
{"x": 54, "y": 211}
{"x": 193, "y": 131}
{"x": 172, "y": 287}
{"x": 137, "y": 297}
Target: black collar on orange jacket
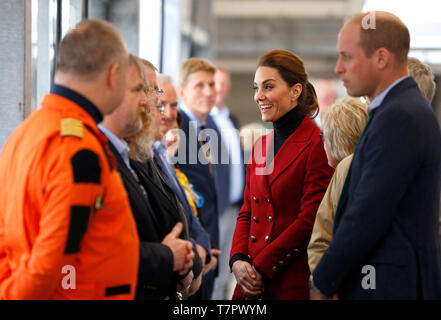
{"x": 82, "y": 101}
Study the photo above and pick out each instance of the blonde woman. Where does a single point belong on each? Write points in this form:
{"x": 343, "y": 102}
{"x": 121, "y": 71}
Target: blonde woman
{"x": 342, "y": 124}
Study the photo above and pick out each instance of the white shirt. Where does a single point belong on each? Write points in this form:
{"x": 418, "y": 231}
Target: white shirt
{"x": 120, "y": 144}
{"x": 378, "y": 100}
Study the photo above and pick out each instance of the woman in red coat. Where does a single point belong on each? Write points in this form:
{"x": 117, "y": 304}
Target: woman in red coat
{"x": 287, "y": 177}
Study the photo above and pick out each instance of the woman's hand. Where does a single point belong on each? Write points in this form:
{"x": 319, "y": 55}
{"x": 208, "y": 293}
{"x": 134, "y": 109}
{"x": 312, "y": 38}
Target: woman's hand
{"x": 248, "y": 279}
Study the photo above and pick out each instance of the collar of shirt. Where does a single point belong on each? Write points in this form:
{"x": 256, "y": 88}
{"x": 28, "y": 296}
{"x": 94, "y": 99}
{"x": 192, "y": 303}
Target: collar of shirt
{"x": 224, "y": 112}
{"x": 160, "y": 144}
{"x": 120, "y": 144}
{"x": 378, "y": 100}
{"x": 193, "y": 118}
{"x": 82, "y": 101}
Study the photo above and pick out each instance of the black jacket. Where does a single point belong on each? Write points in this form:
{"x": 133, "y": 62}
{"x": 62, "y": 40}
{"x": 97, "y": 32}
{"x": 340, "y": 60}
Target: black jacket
{"x": 156, "y": 279}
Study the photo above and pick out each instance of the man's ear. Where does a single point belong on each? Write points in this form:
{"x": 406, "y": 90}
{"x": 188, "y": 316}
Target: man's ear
{"x": 111, "y": 78}
{"x": 180, "y": 91}
{"x": 383, "y": 58}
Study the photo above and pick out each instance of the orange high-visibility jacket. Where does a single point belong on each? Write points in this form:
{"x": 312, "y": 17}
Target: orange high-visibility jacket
{"x": 66, "y": 228}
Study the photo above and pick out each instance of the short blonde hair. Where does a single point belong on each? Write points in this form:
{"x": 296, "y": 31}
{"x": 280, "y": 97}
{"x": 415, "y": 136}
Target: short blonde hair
{"x": 193, "y": 65}
{"x": 423, "y": 76}
{"x": 342, "y": 124}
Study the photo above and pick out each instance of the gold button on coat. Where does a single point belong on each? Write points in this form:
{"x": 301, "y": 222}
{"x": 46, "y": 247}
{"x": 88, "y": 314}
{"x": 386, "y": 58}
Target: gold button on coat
{"x": 266, "y": 238}
{"x": 253, "y": 239}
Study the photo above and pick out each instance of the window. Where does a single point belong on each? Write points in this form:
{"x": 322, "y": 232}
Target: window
{"x": 51, "y": 20}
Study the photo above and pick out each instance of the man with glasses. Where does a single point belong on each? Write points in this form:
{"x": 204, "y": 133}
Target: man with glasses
{"x": 165, "y": 254}
{"x": 169, "y": 114}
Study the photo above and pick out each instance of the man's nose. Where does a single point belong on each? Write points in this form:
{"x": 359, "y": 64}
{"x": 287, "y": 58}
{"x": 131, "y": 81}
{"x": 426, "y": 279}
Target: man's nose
{"x": 144, "y": 99}
{"x": 208, "y": 90}
{"x": 338, "y": 67}
{"x": 168, "y": 111}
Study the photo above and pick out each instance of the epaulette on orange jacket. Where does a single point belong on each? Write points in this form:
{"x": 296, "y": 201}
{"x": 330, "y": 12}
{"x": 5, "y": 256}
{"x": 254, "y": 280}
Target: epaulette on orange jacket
{"x": 66, "y": 228}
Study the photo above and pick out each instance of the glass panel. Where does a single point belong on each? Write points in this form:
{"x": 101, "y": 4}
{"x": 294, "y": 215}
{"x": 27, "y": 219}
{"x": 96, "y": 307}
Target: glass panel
{"x": 171, "y": 55}
{"x": 150, "y": 34}
{"x": 71, "y": 14}
{"x": 150, "y": 30}
{"x": 43, "y": 48}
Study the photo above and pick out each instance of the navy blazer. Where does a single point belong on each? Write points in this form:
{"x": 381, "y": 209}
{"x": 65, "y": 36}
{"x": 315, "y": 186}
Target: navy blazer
{"x": 391, "y": 218}
{"x": 197, "y": 232}
{"x": 214, "y": 188}
{"x": 156, "y": 278}
{"x": 221, "y": 168}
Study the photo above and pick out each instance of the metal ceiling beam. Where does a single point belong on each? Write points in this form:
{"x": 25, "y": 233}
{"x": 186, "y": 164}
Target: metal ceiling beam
{"x": 246, "y": 9}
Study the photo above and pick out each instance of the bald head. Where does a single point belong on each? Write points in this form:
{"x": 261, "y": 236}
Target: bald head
{"x": 169, "y": 101}
{"x": 222, "y": 81}
{"x": 90, "y": 48}
{"x": 93, "y": 61}
{"x": 380, "y": 29}
{"x": 373, "y": 51}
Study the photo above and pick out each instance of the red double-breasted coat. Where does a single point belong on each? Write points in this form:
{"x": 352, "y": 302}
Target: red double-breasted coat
{"x": 275, "y": 222}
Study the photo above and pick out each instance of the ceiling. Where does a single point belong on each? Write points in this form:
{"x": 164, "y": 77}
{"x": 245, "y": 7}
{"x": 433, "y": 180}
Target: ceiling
{"x": 245, "y": 29}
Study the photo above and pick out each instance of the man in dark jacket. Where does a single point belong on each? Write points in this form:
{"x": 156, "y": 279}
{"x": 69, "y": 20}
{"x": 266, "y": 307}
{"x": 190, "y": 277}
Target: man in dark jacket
{"x": 163, "y": 255}
{"x": 385, "y": 242}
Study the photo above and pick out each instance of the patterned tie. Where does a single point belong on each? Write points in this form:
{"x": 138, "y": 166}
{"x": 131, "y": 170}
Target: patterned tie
{"x": 344, "y": 192}
{"x": 160, "y": 157}
{"x": 205, "y": 147}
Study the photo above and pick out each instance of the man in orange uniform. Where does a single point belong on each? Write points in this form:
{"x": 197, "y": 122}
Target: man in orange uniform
{"x": 66, "y": 229}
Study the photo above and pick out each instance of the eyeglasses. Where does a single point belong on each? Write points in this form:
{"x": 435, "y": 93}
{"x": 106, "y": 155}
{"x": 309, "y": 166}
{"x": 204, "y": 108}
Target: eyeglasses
{"x": 161, "y": 108}
{"x": 158, "y": 91}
